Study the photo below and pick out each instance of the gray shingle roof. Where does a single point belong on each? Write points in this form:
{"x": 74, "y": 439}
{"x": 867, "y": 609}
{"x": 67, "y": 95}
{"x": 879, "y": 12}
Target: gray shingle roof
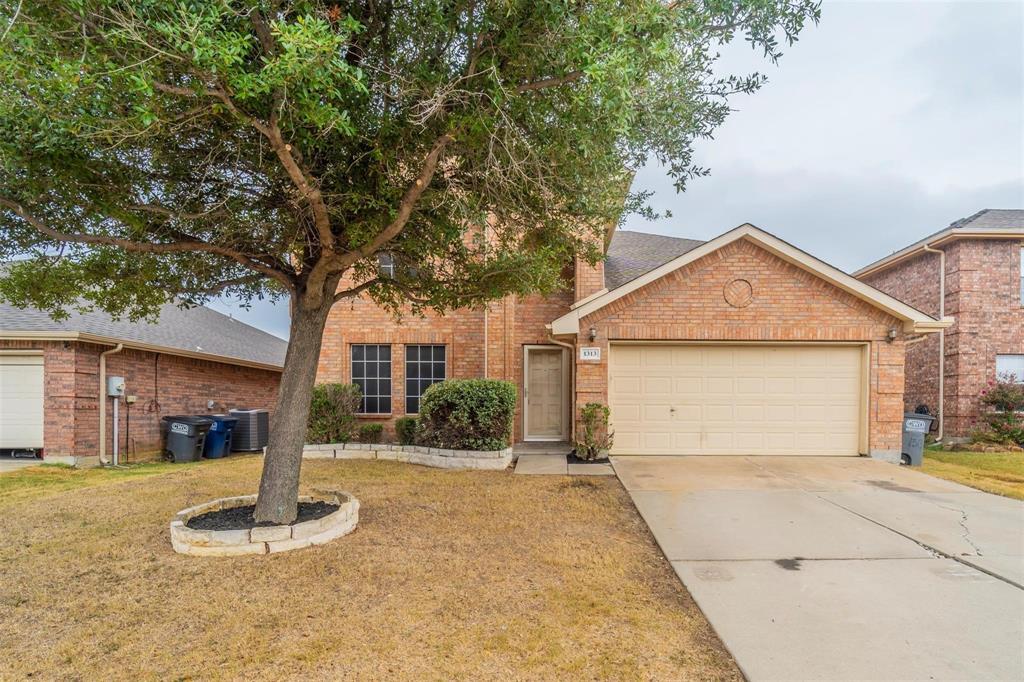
{"x": 196, "y": 330}
{"x": 632, "y": 254}
{"x": 992, "y": 220}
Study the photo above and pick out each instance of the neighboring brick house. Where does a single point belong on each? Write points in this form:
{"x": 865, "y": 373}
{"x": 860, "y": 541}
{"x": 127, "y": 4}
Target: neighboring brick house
{"x": 983, "y": 281}
{"x": 740, "y": 345}
{"x": 194, "y": 361}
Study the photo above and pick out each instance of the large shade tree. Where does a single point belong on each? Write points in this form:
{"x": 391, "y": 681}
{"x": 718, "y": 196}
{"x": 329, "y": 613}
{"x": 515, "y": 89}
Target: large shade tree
{"x": 156, "y": 150}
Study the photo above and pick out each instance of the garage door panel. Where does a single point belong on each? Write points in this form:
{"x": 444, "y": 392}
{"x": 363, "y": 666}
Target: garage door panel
{"x": 736, "y": 399}
{"x": 21, "y": 401}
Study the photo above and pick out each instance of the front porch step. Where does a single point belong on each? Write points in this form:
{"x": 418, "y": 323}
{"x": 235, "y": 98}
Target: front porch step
{"x": 542, "y": 448}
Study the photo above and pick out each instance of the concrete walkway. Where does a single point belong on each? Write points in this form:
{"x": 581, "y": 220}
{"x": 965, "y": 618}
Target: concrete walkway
{"x": 841, "y": 568}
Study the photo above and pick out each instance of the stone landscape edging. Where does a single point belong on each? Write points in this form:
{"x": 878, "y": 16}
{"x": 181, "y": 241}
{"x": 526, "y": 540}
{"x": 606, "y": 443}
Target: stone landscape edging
{"x": 264, "y": 539}
{"x": 441, "y": 458}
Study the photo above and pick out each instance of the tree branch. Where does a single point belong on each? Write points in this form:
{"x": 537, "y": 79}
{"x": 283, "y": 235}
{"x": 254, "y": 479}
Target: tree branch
{"x": 553, "y": 82}
{"x": 356, "y": 290}
{"x": 182, "y": 246}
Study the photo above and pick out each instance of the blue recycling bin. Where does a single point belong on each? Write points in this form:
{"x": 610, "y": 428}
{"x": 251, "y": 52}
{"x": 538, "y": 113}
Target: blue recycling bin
{"x": 218, "y": 440}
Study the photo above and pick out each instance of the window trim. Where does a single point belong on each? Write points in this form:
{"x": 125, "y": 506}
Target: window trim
{"x": 390, "y": 378}
{"x": 406, "y": 378}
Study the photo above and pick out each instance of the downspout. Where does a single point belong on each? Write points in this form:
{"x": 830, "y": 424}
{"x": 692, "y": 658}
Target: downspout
{"x": 103, "y": 400}
{"x": 572, "y": 383}
{"x": 942, "y": 341}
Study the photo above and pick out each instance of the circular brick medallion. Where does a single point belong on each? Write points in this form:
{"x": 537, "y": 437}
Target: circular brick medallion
{"x": 739, "y": 293}
{"x": 264, "y": 539}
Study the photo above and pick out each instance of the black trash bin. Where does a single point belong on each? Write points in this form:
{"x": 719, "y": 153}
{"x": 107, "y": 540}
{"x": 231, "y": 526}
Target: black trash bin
{"x": 184, "y": 437}
{"x": 915, "y": 428}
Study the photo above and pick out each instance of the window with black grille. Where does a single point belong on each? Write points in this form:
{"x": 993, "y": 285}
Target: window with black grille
{"x": 424, "y": 365}
{"x": 371, "y": 371}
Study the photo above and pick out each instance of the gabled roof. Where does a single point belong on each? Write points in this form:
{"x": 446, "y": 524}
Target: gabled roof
{"x": 198, "y": 332}
{"x": 989, "y": 223}
{"x": 914, "y": 320}
{"x": 632, "y": 254}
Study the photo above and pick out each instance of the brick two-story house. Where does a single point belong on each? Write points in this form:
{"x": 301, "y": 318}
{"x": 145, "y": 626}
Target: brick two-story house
{"x": 740, "y": 345}
{"x": 973, "y": 272}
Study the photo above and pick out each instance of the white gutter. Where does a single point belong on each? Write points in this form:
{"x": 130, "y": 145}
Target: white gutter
{"x": 103, "y": 401}
{"x": 942, "y": 340}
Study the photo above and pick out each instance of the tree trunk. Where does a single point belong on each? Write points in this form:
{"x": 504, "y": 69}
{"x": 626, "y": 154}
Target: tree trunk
{"x": 277, "y": 501}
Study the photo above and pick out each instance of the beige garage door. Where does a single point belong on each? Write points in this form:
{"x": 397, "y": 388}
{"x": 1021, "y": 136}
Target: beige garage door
{"x": 21, "y": 401}
{"x": 735, "y": 400}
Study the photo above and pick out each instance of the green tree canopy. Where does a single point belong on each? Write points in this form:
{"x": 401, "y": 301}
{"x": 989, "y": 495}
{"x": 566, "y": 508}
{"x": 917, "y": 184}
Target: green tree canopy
{"x": 152, "y": 149}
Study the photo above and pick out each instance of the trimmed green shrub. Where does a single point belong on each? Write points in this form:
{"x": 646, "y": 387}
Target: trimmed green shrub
{"x": 370, "y": 433}
{"x": 468, "y": 414}
{"x": 405, "y": 428}
{"x": 332, "y": 413}
{"x": 594, "y": 439}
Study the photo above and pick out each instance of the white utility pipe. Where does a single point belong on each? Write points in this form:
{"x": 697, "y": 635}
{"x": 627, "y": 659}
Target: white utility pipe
{"x": 942, "y": 340}
{"x": 103, "y": 400}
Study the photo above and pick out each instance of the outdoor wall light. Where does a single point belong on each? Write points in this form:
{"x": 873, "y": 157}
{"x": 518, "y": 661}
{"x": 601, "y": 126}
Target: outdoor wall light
{"x": 593, "y": 334}
{"x": 892, "y": 335}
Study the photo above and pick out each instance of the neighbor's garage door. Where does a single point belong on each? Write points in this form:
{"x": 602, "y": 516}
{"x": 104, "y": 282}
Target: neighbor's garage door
{"x": 21, "y": 401}
{"x": 735, "y": 400}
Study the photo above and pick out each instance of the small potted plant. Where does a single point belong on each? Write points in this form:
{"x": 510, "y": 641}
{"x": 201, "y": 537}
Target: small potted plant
{"x": 594, "y": 440}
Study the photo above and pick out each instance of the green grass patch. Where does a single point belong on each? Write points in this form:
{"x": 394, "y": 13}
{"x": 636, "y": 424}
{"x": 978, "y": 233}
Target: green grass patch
{"x": 995, "y": 472}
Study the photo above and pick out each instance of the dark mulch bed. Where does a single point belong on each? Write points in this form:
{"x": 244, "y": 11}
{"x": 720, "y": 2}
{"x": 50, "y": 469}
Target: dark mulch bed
{"x": 240, "y": 518}
{"x": 571, "y": 458}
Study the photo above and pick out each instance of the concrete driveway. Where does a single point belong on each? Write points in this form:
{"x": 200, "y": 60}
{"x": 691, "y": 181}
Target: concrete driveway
{"x": 841, "y": 568}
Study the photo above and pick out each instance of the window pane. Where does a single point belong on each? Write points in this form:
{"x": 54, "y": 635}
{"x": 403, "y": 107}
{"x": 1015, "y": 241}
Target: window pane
{"x": 384, "y": 387}
{"x": 371, "y": 352}
{"x": 439, "y": 353}
{"x": 385, "y": 353}
{"x": 412, "y": 405}
{"x": 385, "y": 405}
{"x": 412, "y": 353}
{"x": 357, "y": 353}
{"x": 412, "y": 370}
{"x": 384, "y": 370}
{"x": 1010, "y": 364}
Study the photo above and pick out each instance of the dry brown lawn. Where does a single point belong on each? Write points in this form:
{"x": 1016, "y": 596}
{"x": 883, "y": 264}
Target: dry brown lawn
{"x": 1001, "y": 473}
{"x": 450, "y": 575}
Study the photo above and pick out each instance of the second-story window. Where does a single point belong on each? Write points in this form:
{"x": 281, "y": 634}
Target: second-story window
{"x": 386, "y": 265}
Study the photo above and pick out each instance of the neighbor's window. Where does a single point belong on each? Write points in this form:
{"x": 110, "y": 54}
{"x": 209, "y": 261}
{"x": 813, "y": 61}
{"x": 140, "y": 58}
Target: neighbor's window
{"x": 1010, "y": 364}
{"x": 371, "y": 371}
{"x": 424, "y": 365}
{"x": 386, "y": 265}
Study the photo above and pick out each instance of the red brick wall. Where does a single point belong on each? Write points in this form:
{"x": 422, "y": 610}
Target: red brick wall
{"x": 789, "y": 304}
{"x": 588, "y": 278}
{"x": 164, "y": 384}
{"x": 510, "y": 324}
{"x": 983, "y": 297}
{"x": 916, "y": 283}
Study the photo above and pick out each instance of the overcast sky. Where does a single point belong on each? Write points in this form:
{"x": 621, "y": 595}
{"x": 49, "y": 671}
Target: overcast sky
{"x": 885, "y": 122}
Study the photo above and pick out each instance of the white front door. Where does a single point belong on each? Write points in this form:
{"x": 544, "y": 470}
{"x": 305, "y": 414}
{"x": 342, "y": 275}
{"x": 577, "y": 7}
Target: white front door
{"x": 545, "y": 412}
{"x": 21, "y": 401}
